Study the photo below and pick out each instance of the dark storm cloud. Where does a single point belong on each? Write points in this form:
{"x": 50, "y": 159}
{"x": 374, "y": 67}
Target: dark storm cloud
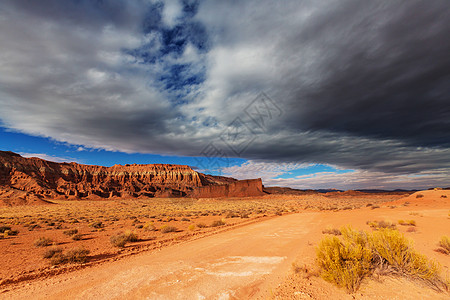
{"x": 361, "y": 84}
{"x": 385, "y": 73}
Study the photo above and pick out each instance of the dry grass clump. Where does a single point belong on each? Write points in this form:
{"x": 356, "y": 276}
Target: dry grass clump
{"x": 201, "y": 225}
{"x": 305, "y": 270}
{"x": 76, "y": 255}
{"x": 149, "y": 226}
{"x": 167, "y": 229}
{"x": 407, "y": 222}
{"x": 345, "y": 262}
{"x": 77, "y": 237}
{"x": 444, "y": 245}
{"x": 192, "y": 227}
{"x": 380, "y": 224}
{"x": 97, "y": 224}
{"x": 70, "y": 232}
{"x": 7, "y": 231}
{"x": 217, "y": 223}
{"x": 43, "y": 242}
{"x": 414, "y": 213}
{"x": 49, "y": 253}
{"x": 333, "y": 231}
{"x": 121, "y": 239}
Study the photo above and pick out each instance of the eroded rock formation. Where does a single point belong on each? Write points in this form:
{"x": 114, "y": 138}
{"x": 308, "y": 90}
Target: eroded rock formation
{"x": 240, "y": 188}
{"x": 49, "y": 180}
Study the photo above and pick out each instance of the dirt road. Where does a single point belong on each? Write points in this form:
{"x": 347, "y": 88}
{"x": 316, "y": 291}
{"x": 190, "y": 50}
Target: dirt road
{"x": 247, "y": 262}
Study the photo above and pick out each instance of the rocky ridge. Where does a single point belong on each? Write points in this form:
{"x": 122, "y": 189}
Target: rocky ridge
{"x": 37, "y": 178}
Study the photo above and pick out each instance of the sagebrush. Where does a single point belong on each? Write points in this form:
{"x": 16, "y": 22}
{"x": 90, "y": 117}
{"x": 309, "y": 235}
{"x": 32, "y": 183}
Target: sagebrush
{"x": 348, "y": 260}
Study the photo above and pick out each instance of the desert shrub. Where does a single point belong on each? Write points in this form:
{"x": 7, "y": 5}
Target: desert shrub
{"x": 77, "y": 255}
{"x": 4, "y": 228}
{"x": 217, "y": 223}
{"x": 97, "y": 224}
{"x": 381, "y": 224}
{"x": 58, "y": 259}
{"x": 49, "y": 253}
{"x": 407, "y": 222}
{"x": 344, "y": 263}
{"x": 347, "y": 261}
{"x": 43, "y": 242}
{"x": 167, "y": 229}
{"x": 444, "y": 243}
{"x": 149, "y": 226}
{"x": 419, "y": 196}
{"x": 443, "y": 196}
{"x": 77, "y": 237}
{"x": 122, "y": 238}
{"x": 333, "y": 231}
{"x": 70, "y": 232}
{"x": 414, "y": 213}
{"x": 375, "y": 206}
{"x": 391, "y": 248}
{"x": 201, "y": 225}
{"x": 8, "y": 233}
{"x": 185, "y": 220}
{"x": 231, "y": 215}
{"x": 31, "y": 227}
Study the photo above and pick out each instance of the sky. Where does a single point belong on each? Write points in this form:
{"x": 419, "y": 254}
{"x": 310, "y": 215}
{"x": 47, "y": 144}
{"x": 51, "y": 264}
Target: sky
{"x": 346, "y": 94}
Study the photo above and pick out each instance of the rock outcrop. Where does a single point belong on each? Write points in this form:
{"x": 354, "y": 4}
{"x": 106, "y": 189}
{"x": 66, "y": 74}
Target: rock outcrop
{"x": 240, "y": 188}
{"x": 41, "y": 179}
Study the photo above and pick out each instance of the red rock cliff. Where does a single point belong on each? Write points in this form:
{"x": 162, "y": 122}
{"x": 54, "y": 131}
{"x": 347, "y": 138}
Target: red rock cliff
{"x": 28, "y": 178}
{"x": 51, "y": 179}
{"x": 241, "y": 188}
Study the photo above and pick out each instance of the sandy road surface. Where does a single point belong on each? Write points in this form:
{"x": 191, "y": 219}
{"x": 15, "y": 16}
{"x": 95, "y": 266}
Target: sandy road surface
{"x": 247, "y": 262}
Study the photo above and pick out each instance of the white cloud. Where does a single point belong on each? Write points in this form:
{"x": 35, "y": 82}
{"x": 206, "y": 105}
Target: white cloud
{"x": 361, "y": 179}
{"x": 171, "y": 12}
{"x": 48, "y": 157}
{"x": 259, "y": 169}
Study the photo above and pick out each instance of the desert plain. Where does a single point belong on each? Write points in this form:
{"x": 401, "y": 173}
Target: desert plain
{"x": 218, "y": 248}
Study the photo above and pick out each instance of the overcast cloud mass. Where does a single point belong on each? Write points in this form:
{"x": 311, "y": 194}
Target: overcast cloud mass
{"x": 361, "y": 85}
